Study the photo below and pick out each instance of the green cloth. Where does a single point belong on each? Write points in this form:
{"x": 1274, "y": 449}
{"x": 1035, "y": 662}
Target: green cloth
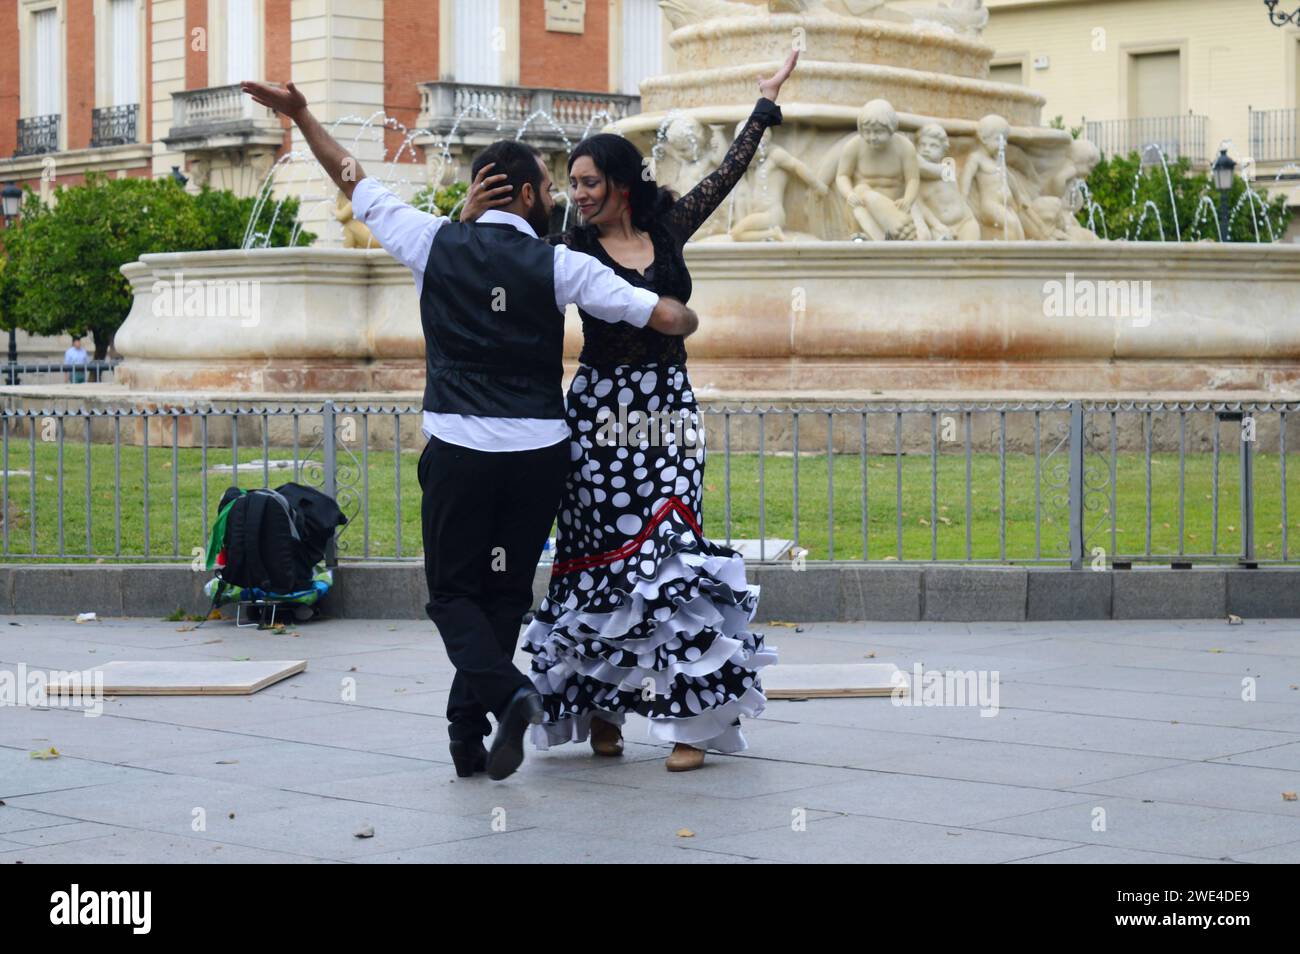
{"x": 218, "y": 538}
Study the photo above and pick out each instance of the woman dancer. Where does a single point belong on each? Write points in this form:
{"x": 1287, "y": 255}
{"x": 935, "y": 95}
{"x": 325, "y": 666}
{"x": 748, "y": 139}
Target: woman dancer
{"x": 643, "y": 613}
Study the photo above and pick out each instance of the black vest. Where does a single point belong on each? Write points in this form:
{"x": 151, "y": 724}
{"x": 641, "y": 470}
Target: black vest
{"x": 493, "y": 336}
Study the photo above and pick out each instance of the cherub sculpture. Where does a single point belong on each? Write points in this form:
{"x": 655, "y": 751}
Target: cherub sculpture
{"x": 760, "y": 198}
{"x": 690, "y": 151}
{"x": 986, "y": 172}
{"x": 355, "y": 234}
{"x": 1062, "y": 196}
{"x": 878, "y": 175}
{"x": 941, "y": 206}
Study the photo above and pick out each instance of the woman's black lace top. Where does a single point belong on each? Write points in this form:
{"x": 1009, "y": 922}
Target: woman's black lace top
{"x": 606, "y": 344}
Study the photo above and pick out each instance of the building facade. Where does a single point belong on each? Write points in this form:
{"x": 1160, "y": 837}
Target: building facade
{"x": 150, "y": 87}
{"x": 1186, "y": 75}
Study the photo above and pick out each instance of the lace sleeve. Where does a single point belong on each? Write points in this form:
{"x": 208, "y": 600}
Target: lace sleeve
{"x": 690, "y": 212}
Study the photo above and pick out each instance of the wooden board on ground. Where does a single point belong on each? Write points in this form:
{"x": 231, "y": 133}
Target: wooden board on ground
{"x": 172, "y": 678}
{"x": 831, "y": 680}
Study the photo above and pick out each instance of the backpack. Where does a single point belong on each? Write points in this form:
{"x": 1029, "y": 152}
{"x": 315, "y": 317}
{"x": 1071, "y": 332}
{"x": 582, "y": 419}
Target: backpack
{"x": 271, "y": 540}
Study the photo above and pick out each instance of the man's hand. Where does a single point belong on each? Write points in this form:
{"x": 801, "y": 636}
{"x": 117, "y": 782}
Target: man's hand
{"x": 340, "y": 165}
{"x": 286, "y": 101}
{"x": 671, "y": 317}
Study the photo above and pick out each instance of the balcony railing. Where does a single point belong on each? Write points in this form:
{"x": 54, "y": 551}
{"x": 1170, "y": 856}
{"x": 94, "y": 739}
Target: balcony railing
{"x": 470, "y": 112}
{"x": 1273, "y": 135}
{"x": 114, "y": 126}
{"x": 1175, "y": 136}
{"x": 219, "y": 116}
{"x": 37, "y": 135}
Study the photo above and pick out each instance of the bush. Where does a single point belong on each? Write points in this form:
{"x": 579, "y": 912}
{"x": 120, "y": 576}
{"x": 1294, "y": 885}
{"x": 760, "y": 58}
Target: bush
{"x": 1119, "y": 212}
{"x": 225, "y": 220}
{"x": 442, "y": 201}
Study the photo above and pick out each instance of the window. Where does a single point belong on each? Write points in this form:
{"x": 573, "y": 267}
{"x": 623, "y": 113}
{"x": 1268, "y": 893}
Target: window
{"x": 124, "y": 87}
{"x": 1155, "y": 85}
{"x": 478, "y": 32}
{"x": 241, "y": 41}
{"x": 1007, "y": 73}
{"x": 642, "y": 51}
{"x": 1297, "y": 76}
{"x": 48, "y": 100}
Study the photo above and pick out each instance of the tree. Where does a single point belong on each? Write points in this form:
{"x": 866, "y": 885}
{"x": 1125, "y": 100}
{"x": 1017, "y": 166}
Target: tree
{"x": 63, "y": 274}
{"x": 224, "y": 217}
{"x": 1133, "y": 202}
{"x": 442, "y": 201}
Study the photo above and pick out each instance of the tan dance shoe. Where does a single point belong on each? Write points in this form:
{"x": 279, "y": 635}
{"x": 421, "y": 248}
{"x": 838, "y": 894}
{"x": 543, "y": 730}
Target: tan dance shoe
{"x": 606, "y": 738}
{"x": 684, "y": 758}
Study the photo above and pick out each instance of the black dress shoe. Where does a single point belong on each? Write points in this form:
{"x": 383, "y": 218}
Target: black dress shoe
{"x": 507, "y": 753}
{"x": 468, "y": 757}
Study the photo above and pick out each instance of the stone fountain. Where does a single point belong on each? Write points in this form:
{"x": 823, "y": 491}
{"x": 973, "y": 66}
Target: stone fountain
{"x": 909, "y": 230}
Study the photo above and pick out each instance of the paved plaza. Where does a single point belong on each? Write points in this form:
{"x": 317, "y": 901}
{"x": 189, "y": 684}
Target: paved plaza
{"x": 1113, "y": 742}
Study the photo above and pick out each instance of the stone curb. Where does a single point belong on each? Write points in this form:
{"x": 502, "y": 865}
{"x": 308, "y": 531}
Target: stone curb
{"x": 819, "y": 593}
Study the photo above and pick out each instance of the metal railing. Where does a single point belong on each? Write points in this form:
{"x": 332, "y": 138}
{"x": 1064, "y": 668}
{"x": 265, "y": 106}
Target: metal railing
{"x": 475, "y": 109}
{"x": 37, "y": 135}
{"x": 1273, "y": 135}
{"x": 113, "y": 126}
{"x": 44, "y": 372}
{"x": 1175, "y": 136}
{"x": 1065, "y": 483}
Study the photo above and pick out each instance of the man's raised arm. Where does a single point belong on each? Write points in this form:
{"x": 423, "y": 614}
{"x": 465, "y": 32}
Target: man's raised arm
{"x": 339, "y": 164}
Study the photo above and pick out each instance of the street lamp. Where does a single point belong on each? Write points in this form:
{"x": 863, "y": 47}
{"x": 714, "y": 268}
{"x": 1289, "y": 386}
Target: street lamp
{"x": 1225, "y": 176}
{"x": 11, "y": 201}
{"x": 1281, "y": 19}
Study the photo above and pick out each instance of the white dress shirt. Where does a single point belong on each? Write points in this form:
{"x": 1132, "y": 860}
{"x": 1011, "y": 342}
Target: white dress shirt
{"x": 406, "y": 233}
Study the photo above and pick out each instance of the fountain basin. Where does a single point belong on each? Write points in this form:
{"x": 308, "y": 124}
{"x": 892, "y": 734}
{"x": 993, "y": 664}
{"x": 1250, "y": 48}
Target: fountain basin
{"x": 722, "y": 43}
{"x": 847, "y": 61}
{"x": 788, "y": 319}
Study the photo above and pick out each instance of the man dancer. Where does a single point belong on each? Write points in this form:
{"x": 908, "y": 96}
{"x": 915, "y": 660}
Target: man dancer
{"x": 492, "y": 301}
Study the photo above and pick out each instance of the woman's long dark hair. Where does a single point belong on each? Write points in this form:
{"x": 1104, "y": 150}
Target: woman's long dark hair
{"x": 622, "y": 164}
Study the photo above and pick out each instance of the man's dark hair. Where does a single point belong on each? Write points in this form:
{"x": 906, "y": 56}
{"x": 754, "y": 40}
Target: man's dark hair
{"x": 517, "y": 160}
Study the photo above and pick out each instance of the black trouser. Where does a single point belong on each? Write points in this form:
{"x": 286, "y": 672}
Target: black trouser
{"x": 486, "y": 517}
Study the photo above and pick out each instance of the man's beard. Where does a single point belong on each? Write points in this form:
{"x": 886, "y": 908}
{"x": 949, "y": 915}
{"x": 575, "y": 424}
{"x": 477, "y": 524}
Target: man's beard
{"x": 539, "y": 219}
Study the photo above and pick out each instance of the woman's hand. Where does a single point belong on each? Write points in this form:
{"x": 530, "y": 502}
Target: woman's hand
{"x": 771, "y": 85}
{"x": 485, "y": 193}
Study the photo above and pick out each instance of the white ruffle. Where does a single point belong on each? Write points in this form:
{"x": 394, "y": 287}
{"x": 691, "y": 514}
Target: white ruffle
{"x": 675, "y": 567}
{"x": 725, "y": 650}
{"x": 555, "y": 646}
{"x": 572, "y": 728}
{"x": 711, "y": 729}
{"x": 686, "y": 618}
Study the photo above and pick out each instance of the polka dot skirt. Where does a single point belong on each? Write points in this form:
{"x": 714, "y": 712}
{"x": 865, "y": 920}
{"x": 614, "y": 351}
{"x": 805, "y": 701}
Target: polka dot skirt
{"x": 643, "y": 613}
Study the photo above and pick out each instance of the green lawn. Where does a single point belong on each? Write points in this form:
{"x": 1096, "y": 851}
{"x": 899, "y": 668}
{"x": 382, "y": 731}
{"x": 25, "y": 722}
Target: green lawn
{"x": 923, "y": 537}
